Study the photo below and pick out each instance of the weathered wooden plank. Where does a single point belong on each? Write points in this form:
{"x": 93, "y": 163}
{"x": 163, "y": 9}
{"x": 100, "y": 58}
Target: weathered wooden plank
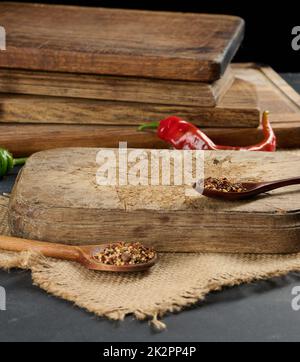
{"x": 128, "y": 89}
{"x": 58, "y": 199}
{"x": 273, "y": 94}
{"x": 195, "y": 47}
{"x": 238, "y": 108}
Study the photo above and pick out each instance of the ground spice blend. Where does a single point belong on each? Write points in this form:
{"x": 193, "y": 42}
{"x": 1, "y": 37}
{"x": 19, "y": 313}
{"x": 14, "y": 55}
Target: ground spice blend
{"x": 121, "y": 253}
{"x": 223, "y": 185}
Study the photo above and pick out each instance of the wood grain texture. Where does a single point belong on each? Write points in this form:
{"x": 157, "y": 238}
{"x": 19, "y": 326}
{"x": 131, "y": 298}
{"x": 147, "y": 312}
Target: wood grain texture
{"x": 196, "y": 47}
{"x": 273, "y": 94}
{"x": 57, "y": 199}
{"x": 238, "y": 108}
{"x": 127, "y": 89}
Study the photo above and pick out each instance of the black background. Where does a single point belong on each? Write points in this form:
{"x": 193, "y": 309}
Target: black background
{"x": 268, "y": 31}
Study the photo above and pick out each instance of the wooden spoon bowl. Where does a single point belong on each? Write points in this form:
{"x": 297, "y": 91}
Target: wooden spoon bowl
{"x": 252, "y": 189}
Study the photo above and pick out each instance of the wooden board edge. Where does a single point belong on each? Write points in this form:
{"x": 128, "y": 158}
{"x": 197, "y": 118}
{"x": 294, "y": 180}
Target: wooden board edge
{"x": 28, "y": 82}
{"x": 209, "y": 70}
{"x": 222, "y": 86}
{"x": 233, "y": 48}
{"x": 282, "y": 85}
{"x": 29, "y": 109}
{"x": 286, "y": 240}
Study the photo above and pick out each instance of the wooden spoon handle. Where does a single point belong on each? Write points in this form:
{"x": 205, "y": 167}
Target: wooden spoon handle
{"x": 57, "y": 251}
{"x": 269, "y": 186}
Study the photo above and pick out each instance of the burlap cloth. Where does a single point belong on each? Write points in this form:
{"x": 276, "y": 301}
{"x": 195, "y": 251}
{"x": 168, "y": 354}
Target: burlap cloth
{"x": 177, "y": 281}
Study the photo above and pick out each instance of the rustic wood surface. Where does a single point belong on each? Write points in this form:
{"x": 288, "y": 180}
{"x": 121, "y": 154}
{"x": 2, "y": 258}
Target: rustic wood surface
{"x": 127, "y": 89}
{"x": 237, "y": 108}
{"x": 119, "y": 42}
{"x": 273, "y": 94}
{"x": 57, "y": 199}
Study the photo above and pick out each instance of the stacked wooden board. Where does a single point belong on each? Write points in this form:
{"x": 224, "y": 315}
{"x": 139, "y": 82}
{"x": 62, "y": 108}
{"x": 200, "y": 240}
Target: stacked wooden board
{"x": 272, "y": 91}
{"x": 74, "y": 76}
{"x": 159, "y": 45}
{"x": 25, "y": 101}
{"x": 80, "y": 76}
{"x": 76, "y": 65}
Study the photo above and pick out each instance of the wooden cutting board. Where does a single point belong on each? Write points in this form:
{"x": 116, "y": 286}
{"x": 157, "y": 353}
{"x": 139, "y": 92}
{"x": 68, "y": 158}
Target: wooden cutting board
{"x": 195, "y": 47}
{"x": 273, "y": 94}
{"x": 124, "y": 89}
{"x": 57, "y": 199}
{"x": 237, "y": 108}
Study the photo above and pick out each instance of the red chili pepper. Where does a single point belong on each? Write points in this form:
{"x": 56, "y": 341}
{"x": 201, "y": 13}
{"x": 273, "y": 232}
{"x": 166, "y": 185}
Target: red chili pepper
{"x": 185, "y": 136}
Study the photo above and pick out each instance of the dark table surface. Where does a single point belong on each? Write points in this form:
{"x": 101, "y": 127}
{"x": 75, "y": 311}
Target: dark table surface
{"x": 260, "y": 311}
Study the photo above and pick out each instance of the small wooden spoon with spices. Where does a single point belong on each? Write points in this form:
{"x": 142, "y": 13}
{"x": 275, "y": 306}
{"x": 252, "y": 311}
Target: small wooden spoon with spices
{"x": 84, "y": 255}
{"x": 223, "y": 189}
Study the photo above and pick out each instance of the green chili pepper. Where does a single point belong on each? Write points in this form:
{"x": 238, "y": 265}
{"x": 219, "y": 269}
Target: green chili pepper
{"x": 7, "y": 162}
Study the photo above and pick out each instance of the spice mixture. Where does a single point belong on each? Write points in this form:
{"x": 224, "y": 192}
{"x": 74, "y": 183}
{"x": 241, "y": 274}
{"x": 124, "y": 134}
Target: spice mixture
{"x": 222, "y": 184}
{"x": 120, "y": 254}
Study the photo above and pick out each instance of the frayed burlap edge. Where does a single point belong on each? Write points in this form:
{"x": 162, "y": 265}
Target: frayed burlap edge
{"x": 175, "y": 305}
{"x": 39, "y": 264}
{"x": 207, "y": 281}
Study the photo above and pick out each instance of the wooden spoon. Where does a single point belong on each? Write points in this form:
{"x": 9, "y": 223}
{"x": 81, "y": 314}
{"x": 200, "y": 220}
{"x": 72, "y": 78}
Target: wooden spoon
{"x": 252, "y": 189}
{"x": 81, "y": 254}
